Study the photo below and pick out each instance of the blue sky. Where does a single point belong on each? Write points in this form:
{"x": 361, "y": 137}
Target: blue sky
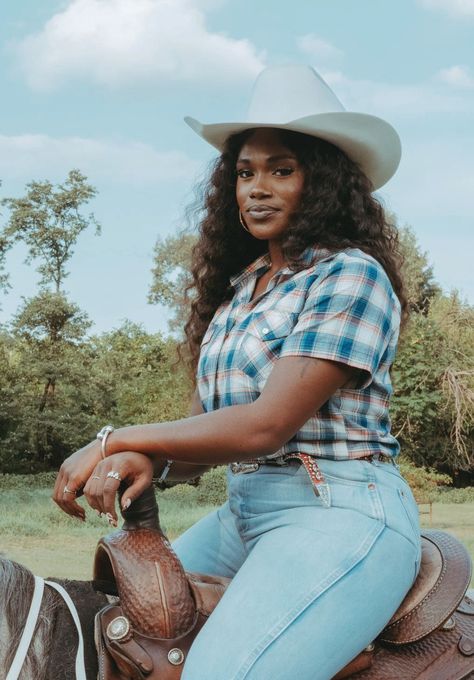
{"x": 103, "y": 85}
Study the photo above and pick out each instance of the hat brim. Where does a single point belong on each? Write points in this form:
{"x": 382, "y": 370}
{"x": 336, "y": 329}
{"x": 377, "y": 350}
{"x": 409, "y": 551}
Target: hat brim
{"x": 368, "y": 140}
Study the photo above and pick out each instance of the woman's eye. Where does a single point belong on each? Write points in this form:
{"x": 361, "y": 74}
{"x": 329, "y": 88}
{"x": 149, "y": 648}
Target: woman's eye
{"x": 243, "y": 173}
{"x": 284, "y": 172}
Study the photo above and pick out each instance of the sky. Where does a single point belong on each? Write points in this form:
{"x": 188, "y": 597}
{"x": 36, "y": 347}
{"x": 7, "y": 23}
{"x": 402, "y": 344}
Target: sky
{"x": 103, "y": 86}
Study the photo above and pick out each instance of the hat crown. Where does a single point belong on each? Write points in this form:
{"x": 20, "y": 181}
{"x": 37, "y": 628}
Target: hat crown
{"x": 285, "y": 93}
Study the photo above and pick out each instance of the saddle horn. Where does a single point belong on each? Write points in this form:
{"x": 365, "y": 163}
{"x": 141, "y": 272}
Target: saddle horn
{"x": 138, "y": 563}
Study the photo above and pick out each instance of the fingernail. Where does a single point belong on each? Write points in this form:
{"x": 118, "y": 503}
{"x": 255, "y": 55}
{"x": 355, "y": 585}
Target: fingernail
{"x": 127, "y": 504}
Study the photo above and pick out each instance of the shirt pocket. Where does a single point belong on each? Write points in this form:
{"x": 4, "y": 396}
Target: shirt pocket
{"x": 271, "y": 325}
{"x": 262, "y": 340}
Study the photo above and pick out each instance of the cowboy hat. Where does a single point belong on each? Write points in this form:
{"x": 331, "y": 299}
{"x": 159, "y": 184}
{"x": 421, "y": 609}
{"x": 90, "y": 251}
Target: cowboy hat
{"x": 295, "y": 97}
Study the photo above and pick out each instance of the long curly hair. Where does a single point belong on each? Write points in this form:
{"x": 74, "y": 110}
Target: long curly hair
{"x": 337, "y": 211}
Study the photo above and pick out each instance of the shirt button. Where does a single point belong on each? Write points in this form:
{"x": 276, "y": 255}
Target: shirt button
{"x": 371, "y": 486}
{"x": 265, "y": 330}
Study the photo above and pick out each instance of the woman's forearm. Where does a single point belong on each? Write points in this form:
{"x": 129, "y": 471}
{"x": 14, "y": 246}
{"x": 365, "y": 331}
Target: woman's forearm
{"x": 222, "y": 436}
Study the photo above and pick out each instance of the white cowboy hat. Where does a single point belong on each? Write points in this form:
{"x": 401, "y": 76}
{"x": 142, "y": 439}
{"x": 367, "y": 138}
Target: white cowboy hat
{"x": 295, "y": 97}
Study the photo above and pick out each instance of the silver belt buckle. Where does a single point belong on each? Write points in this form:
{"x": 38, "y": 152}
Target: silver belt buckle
{"x": 244, "y": 468}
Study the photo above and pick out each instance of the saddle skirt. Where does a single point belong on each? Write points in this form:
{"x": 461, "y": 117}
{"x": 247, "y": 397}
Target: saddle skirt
{"x": 161, "y": 608}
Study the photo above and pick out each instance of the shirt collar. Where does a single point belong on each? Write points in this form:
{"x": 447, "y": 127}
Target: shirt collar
{"x": 311, "y": 256}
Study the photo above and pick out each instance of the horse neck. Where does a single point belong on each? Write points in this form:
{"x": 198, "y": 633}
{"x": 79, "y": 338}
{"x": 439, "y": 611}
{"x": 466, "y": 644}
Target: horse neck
{"x": 53, "y": 648}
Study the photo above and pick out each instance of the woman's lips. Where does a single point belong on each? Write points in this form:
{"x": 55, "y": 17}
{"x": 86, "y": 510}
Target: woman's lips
{"x": 261, "y": 212}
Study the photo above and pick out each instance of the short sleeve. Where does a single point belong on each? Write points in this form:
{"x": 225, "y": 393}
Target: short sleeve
{"x": 350, "y": 316}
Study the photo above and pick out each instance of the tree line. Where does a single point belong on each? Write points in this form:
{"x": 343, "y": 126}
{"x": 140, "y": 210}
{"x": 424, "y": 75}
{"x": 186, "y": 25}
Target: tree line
{"x": 59, "y": 382}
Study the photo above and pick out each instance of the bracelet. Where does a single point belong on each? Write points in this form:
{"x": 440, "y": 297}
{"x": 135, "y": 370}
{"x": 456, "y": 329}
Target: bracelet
{"x": 102, "y": 436}
{"x": 165, "y": 471}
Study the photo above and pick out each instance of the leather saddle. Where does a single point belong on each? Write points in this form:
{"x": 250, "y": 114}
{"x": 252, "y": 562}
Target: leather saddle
{"x": 146, "y": 634}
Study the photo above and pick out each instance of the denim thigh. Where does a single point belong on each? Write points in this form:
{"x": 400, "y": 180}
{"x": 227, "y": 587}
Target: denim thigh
{"x": 313, "y": 585}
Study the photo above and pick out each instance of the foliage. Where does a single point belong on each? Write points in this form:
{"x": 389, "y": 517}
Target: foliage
{"x": 139, "y": 376}
{"x": 433, "y": 378}
{"x": 48, "y": 221}
{"x": 417, "y": 272}
{"x": 171, "y": 275}
{"x": 211, "y": 489}
{"x": 45, "y": 402}
{"x": 423, "y": 482}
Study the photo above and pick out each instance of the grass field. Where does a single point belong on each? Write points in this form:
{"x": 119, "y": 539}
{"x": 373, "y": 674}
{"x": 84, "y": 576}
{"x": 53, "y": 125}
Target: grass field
{"x": 36, "y": 533}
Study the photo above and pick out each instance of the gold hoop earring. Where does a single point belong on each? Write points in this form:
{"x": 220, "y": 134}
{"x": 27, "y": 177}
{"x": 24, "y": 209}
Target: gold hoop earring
{"x": 241, "y": 219}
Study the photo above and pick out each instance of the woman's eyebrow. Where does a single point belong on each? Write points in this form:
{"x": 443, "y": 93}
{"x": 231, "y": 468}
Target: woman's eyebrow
{"x": 271, "y": 159}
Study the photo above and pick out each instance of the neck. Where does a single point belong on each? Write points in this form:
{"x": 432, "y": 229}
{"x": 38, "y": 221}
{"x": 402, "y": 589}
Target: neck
{"x": 276, "y": 256}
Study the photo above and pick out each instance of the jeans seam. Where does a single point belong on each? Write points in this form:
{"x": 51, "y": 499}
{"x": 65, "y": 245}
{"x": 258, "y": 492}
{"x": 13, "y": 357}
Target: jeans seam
{"x": 344, "y": 568}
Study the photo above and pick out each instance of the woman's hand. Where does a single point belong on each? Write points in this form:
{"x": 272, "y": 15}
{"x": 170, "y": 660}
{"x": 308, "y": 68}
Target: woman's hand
{"x": 72, "y": 476}
{"x": 134, "y": 468}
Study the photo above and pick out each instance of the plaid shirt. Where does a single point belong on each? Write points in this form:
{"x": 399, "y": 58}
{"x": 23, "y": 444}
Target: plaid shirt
{"x": 341, "y": 307}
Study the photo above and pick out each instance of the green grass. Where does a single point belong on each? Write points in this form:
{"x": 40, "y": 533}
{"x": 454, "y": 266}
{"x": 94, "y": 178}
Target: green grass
{"x": 36, "y": 533}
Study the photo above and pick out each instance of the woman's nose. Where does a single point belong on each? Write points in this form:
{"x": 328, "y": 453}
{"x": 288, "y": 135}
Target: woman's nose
{"x": 259, "y": 191}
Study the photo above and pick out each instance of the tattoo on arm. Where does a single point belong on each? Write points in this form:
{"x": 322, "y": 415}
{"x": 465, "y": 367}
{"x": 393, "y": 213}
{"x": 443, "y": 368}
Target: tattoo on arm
{"x": 305, "y": 363}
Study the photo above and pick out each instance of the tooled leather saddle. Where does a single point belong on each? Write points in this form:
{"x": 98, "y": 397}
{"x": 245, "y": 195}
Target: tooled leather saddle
{"x": 147, "y": 633}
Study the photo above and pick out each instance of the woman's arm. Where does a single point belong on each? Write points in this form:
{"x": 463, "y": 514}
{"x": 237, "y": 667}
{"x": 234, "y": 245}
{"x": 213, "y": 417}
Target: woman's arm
{"x": 295, "y": 390}
{"x": 180, "y": 472}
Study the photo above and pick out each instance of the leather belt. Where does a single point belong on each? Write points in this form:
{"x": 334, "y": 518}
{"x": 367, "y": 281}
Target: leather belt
{"x": 320, "y": 486}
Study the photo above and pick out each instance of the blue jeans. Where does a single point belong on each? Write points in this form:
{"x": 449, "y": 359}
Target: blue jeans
{"x": 312, "y": 586}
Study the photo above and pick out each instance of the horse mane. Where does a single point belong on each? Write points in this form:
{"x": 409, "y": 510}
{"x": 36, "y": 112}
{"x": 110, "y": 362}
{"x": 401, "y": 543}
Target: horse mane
{"x": 16, "y": 591}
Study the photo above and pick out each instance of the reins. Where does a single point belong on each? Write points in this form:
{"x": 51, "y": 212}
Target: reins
{"x": 32, "y": 618}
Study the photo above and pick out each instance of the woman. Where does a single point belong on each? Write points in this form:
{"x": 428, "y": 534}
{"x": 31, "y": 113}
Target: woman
{"x": 320, "y": 533}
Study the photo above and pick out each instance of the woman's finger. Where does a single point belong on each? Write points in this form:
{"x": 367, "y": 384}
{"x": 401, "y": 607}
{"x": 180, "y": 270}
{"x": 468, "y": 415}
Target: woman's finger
{"x": 68, "y": 501}
{"x": 93, "y": 490}
{"x": 110, "y": 488}
{"x": 141, "y": 482}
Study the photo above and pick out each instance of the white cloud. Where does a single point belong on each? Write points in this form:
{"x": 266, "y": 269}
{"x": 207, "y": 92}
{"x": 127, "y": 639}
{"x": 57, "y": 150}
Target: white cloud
{"x": 117, "y": 42}
{"x": 388, "y": 99}
{"x": 26, "y": 157}
{"x": 318, "y": 49}
{"x": 457, "y": 76}
{"x": 457, "y": 8}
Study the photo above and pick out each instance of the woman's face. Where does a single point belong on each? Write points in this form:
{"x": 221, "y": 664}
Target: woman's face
{"x": 269, "y": 184}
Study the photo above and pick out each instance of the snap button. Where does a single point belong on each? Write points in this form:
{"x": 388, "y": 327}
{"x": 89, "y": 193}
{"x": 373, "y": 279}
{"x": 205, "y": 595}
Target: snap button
{"x": 371, "y": 486}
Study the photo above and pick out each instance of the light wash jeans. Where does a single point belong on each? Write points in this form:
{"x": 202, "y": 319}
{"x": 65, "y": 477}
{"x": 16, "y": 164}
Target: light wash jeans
{"x": 312, "y": 586}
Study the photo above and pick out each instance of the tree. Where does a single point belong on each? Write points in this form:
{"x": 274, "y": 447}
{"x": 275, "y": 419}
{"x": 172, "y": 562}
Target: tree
{"x": 49, "y": 400}
{"x": 433, "y": 376}
{"x": 420, "y": 285}
{"x": 171, "y": 275}
{"x": 48, "y": 221}
{"x": 49, "y": 395}
{"x": 140, "y": 376}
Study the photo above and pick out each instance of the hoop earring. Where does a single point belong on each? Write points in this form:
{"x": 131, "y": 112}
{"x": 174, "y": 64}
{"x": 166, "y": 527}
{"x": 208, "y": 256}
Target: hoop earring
{"x": 241, "y": 220}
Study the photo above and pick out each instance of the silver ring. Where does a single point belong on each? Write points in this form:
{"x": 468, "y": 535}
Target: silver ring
{"x": 95, "y": 477}
{"x": 66, "y": 490}
{"x": 115, "y": 475}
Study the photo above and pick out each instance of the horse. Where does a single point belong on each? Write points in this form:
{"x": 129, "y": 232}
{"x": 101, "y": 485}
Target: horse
{"x": 51, "y": 655}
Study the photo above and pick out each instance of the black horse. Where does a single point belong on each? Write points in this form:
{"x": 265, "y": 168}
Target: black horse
{"x": 53, "y": 648}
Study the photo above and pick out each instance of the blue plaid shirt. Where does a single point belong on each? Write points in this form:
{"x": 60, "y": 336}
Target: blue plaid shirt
{"x": 341, "y": 307}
